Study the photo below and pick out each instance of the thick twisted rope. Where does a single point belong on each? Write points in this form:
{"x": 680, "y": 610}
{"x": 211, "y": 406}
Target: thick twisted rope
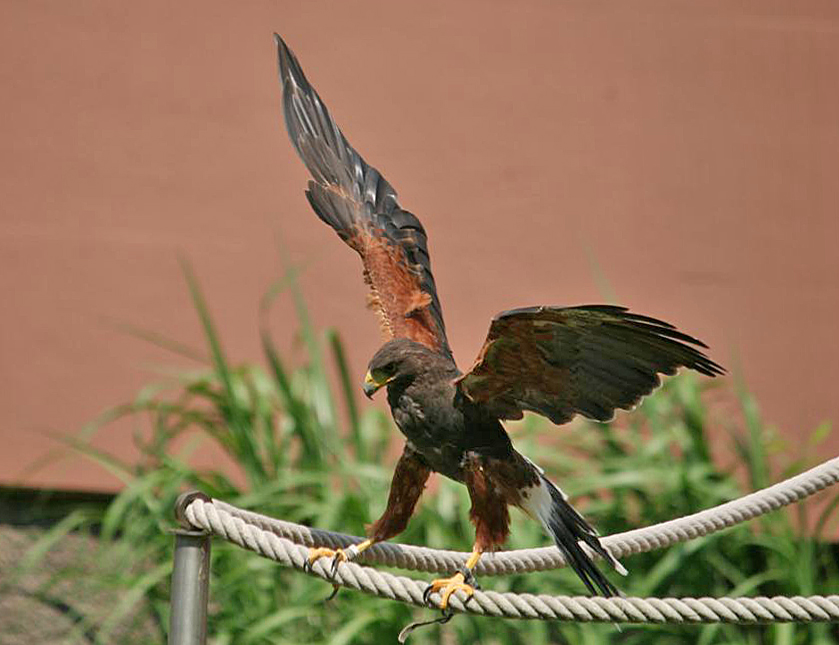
{"x": 205, "y": 515}
{"x": 620, "y": 545}
{"x": 264, "y": 535}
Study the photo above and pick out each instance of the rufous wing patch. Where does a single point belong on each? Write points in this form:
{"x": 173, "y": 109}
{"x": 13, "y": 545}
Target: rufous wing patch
{"x": 395, "y": 292}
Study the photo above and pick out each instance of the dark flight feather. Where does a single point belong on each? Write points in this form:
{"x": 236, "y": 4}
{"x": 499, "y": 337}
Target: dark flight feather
{"x": 589, "y": 360}
{"x": 354, "y": 199}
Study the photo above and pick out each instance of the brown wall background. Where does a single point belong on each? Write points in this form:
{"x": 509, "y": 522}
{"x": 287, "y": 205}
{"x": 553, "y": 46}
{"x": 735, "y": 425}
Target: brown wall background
{"x": 680, "y": 156}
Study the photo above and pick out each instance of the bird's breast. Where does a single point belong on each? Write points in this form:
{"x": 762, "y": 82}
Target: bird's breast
{"x": 434, "y": 429}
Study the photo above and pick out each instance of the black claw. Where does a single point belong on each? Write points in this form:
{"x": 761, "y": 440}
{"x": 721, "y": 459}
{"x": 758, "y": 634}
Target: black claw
{"x": 307, "y": 566}
{"x": 335, "y": 562}
{"x": 335, "y": 590}
{"x": 426, "y": 595}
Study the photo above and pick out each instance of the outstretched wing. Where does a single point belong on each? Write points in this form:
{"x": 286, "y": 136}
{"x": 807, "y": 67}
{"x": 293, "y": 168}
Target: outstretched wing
{"x": 587, "y": 360}
{"x": 354, "y": 199}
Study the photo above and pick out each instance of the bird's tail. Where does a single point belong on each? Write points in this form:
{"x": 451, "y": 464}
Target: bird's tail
{"x": 549, "y": 505}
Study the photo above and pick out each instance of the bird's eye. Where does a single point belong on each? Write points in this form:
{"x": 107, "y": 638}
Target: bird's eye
{"x": 383, "y": 373}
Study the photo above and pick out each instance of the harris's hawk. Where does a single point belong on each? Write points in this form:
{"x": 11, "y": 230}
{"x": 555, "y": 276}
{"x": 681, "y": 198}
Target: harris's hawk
{"x": 556, "y": 361}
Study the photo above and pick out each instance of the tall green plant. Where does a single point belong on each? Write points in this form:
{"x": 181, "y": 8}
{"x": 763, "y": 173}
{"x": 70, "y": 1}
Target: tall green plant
{"x": 294, "y": 456}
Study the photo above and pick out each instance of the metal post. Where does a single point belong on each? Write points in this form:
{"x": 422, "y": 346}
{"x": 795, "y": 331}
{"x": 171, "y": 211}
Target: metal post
{"x": 190, "y": 582}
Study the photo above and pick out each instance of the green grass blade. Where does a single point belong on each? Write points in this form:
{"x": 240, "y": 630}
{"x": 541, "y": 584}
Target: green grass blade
{"x": 348, "y": 391}
{"x": 230, "y": 405}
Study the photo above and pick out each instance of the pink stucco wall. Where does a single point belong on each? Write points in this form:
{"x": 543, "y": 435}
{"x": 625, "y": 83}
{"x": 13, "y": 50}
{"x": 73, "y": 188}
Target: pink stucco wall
{"x": 683, "y": 157}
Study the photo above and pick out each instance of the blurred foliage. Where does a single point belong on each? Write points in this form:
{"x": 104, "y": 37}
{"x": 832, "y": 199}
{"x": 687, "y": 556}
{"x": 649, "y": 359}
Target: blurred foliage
{"x": 305, "y": 451}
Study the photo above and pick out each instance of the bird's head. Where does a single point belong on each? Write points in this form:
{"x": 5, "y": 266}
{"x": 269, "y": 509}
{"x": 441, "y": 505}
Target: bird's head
{"x": 397, "y": 361}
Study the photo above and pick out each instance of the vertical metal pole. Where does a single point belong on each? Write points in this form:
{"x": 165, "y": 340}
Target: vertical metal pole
{"x": 190, "y": 583}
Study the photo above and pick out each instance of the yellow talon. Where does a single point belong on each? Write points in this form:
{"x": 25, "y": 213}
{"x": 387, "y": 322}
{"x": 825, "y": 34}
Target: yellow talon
{"x": 338, "y": 556}
{"x": 316, "y": 554}
{"x": 447, "y": 586}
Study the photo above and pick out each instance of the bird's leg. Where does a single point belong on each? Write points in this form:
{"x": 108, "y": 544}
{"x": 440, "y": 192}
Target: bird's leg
{"x": 405, "y": 490}
{"x": 484, "y": 481}
{"x": 463, "y": 581}
{"x": 338, "y": 555}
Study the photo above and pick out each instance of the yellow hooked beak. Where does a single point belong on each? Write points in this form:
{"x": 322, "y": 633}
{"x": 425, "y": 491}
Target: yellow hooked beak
{"x": 371, "y": 385}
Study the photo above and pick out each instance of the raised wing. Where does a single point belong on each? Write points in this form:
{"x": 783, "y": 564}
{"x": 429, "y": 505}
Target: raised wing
{"x": 588, "y": 360}
{"x": 354, "y": 199}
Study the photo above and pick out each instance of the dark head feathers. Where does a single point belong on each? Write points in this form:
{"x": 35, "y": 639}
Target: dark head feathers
{"x": 404, "y": 356}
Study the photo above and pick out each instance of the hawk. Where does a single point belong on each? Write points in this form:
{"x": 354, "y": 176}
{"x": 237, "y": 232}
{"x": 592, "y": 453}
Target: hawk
{"x": 559, "y": 362}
